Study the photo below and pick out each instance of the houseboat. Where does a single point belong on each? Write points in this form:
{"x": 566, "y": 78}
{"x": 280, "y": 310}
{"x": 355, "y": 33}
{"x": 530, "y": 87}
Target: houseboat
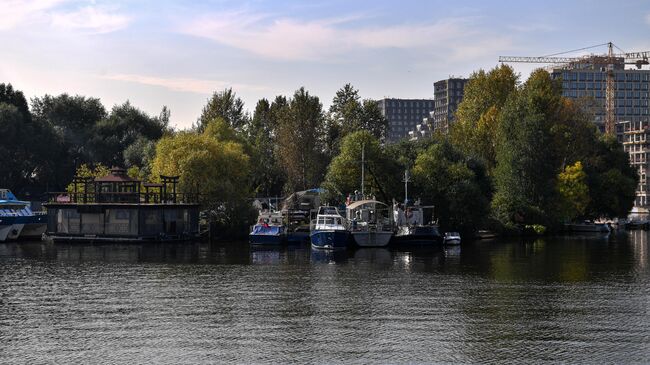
{"x": 117, "y": 207}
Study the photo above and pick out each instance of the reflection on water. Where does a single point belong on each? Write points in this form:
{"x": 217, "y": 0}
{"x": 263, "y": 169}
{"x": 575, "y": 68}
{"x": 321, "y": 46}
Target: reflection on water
{"x": 566, "y": 299}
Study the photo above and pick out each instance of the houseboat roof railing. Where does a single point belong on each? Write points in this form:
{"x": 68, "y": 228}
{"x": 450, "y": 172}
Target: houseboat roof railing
{"x": 118, "y": 187}
{"x": 66, "y": 197}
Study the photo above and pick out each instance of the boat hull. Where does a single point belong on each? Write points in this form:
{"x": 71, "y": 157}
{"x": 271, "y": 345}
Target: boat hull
{"x": 589, "y": 228}
{"x": 417, "y": 236}
{"x": 452, "y": 241}
{"x": 15, "y": 230}
{"x": 372, "y": 239}
{"x": 329, "y": 239}
{"x": 4, "y": 232}
{"x": 261, "y": 239}
{"x": 33, "y": 230}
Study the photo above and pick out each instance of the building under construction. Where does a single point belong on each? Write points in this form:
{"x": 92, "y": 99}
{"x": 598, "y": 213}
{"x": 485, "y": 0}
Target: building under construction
{"x": 588, "y": 82}
{"x": 616, "y": 88}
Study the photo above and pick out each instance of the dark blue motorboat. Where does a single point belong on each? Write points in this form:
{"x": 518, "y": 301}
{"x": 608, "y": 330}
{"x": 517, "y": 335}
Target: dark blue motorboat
{"x": 329, "y": 229}
{"x": 269, "y": 230}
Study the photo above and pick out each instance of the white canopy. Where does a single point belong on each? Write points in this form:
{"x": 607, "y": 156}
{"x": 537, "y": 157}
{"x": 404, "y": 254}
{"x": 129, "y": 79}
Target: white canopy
{"x": 359, "y": 203}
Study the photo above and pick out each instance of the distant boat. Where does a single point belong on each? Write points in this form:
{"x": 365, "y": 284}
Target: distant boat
{"x": 329, "y": 229}
{"x": 370, "y": 222}
{"x": 485, "y": 235}
{"x": 17, "y": 220}
{"x": 411, "y": 229}
{"x": 452, "y": 238}
{"x": 588, "y": 227}
{"x": 269, "y": 229}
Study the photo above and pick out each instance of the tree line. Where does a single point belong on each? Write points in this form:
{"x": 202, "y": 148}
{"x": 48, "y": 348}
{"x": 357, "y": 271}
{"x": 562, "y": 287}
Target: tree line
{"x": 519, "y": 154}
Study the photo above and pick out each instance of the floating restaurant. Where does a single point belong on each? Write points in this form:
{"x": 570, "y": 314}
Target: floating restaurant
{"x": 117, "y": 207}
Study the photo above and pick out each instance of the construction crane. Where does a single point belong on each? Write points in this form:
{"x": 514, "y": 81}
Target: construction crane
{"x": 605, "y": 63}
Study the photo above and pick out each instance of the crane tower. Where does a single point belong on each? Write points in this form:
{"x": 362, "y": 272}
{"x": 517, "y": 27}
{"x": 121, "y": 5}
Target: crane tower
{"x": 604, "y": 62}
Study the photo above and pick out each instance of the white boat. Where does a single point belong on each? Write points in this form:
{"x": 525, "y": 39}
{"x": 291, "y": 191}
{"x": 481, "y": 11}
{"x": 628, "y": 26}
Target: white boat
{"x": 17, "y": 219}
{"x": 452, "y": 238}
{"x": 371, "y": 223}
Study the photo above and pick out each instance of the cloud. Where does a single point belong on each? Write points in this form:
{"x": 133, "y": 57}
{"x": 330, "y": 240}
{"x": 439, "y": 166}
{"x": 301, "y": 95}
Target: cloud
{"x": 59, "y": 14}
{"x": 198, "y": 86}
{"x": 17, "y": 12}
{"x": 90, "y": 19}
{"x": 291, "y": 39}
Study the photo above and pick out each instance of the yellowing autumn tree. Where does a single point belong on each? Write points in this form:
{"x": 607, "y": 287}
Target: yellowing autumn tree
{"x": 211, "y": 163}
{"x": 573, "y": 189}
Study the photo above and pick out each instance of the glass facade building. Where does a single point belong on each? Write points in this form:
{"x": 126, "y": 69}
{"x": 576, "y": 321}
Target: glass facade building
{"x": 403, "y": 115}
{"x": 447, "y": 96}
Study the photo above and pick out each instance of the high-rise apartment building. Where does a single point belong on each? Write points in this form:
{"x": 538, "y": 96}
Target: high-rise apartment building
{"x": 403, "y": 115}
{"x": 447, "y": 94}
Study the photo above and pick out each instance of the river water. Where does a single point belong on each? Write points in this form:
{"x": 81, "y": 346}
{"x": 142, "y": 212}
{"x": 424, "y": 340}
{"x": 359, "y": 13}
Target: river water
{"x": 567, "y": 299}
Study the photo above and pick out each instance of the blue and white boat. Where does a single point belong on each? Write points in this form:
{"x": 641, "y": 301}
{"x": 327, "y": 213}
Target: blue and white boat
{"x": 17, "y": 220}
{"x": 269, "y": 229}
{"x": 329, "y": 229}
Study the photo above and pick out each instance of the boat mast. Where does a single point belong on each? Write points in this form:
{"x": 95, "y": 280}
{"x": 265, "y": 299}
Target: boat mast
{"x": 407, "y": 178}
{"x": 363, "y": 168}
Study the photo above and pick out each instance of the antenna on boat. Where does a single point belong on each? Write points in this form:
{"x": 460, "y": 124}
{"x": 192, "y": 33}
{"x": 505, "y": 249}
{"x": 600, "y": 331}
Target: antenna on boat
{"x": 407, "y": 178}
{"x": 363, "y": 167}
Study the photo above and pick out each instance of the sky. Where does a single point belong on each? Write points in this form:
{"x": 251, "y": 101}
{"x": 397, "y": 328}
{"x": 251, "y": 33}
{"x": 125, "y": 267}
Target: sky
{"x": 177, "y": 53}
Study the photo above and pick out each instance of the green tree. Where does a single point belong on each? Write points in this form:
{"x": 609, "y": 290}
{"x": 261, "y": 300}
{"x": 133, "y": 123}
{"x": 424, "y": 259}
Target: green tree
{"x": 458, "y": 187}
{"x": 30, "y": 147}
{"x": 344, "y": 172}
{"x": 300, "y": 147}
{"x": 526, "y": 162}
{"x": 267, "y": 176}
{"x": 349, "y": 114}
{"x": 74, "y": 118}
{"x": 124, "y": 126}
{"x": 140, "y": 154}
{"x": 218, "y": 168}
{"x": 475, "y": 126}
{"x": 612, "y": 180}
{"x": 226, "y": 105}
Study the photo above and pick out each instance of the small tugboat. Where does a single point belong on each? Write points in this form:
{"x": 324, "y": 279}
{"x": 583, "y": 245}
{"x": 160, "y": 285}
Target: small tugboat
{"x": 269, "y": 230}
{"x": 17, "y": 220}
{"x": 452, "y": 238}
{"x": 371, "y": 224}
{"x": 328, "y": 230}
